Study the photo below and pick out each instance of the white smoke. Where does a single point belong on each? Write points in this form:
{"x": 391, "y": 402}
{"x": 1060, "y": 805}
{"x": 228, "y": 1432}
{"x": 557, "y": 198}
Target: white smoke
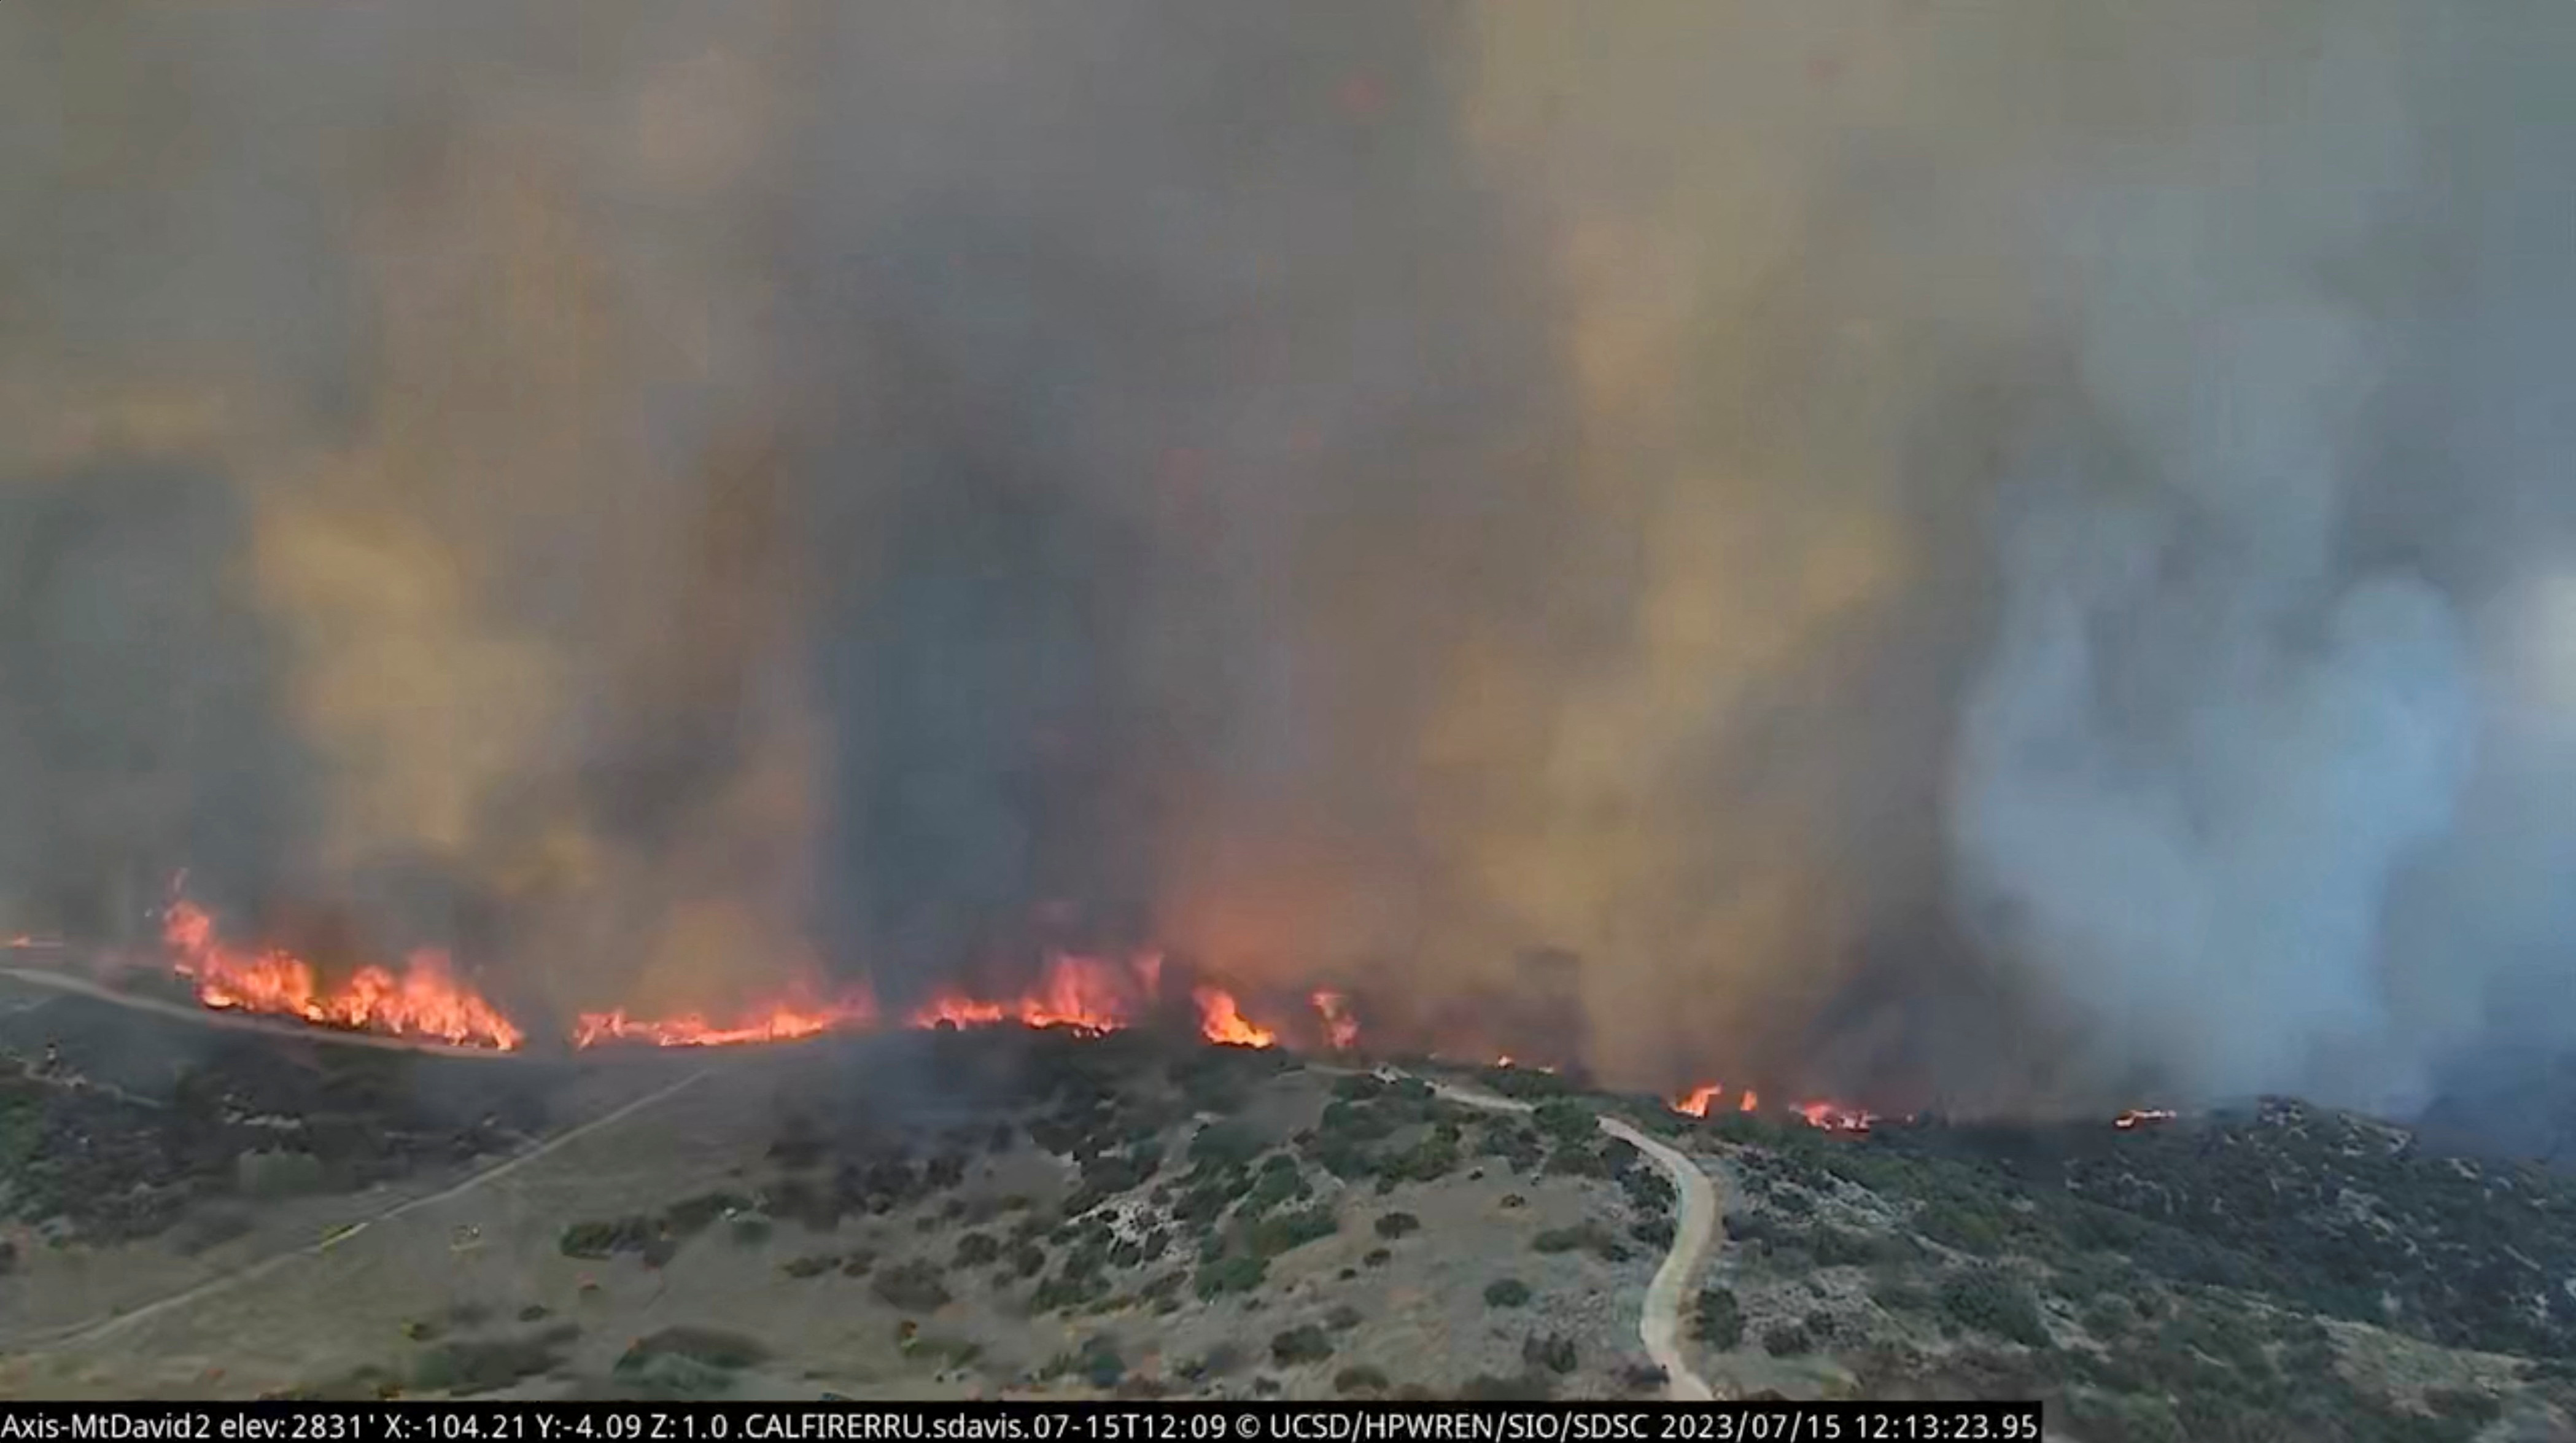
{"x": 2205, "y": 745}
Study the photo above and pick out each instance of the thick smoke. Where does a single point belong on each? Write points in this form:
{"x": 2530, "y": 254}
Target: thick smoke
{"x": 1987, "y": 555}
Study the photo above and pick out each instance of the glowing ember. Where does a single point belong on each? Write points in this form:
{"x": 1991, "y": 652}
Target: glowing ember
{"x": 1221, "y": 1021}
{"x": 1834, "y": 1117}
{"x": 1087, "y": 994}
{"x": 425, "y": 1000}
{"x": 1341, "y": 1028}
{"x": 780, "y": 1022}
{"x": 1698, "y": 1101}
{"x": 2134, "y": 1118}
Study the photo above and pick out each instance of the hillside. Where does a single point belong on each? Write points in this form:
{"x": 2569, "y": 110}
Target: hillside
{"x": 1003, "y": 1212}
{"x": 2288, "y": 1272}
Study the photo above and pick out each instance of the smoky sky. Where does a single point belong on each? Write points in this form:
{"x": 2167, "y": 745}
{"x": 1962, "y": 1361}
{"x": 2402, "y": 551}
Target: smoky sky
{"x": 1988, "y": 555}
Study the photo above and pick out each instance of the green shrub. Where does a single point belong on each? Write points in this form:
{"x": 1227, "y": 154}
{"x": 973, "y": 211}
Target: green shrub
{"x": 1566, "y": 1121}
{"x": 595, "y": 1241}
{"x": 1306, "y": 1344}
{"x": 1100, "y": 1364}
{"x": 914, "y": 1286}
{"x": 1285, "y": 1232}
{"x": 1555, "y": 1353}
{"x": 975, "y": 1250}
{"x": 1397, "y": 1225}
{"x": 482, "y": 1366}
{"x": 1990, "y": 1302}
{"x": 1506, "y": 1293}
{"x": 1360, "y": 1378}
{"x": 1718, "y": 1319}
{"x": 709, "y": 1346}
{"x": 1237, "y": 1274}
{"x": 1225, "y": 1145}
{"x": 1787, "y": 1340}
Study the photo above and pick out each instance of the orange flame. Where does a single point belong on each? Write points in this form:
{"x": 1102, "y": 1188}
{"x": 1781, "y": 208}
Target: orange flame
{"x": 1340, "y": 1027}
{"x": 778, "y": 1022}
{"x": 1834, "y": 1117}
{"x": 1698, "y": 1101}
{"x": 1088, "y": 994}
{"x": 425, "y": 1000}
{"x": 1221, "y": 1021}
{"x": 1752, "y": 1100}
{"x": 2131, "y": 1119}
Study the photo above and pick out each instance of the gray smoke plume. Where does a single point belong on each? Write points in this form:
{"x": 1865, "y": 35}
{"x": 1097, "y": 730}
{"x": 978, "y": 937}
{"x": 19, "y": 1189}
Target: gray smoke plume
{"x": 1992, "y": 555}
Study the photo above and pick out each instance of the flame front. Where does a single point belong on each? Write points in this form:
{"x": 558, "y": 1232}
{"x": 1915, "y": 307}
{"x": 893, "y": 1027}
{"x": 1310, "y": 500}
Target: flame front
{"x": 1834, "y": 1117}
{"x": 1698, "y": 1101}
{"x": 1089, "y": 994}
{"x": 2131, "y": 1119}
{"x": 1221, "y": 1021}
{"x": 424, "y": 1000}
{"x": 778, "y": 1022}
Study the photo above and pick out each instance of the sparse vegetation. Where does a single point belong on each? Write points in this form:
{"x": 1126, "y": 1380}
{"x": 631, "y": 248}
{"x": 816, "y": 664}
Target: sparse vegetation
{"x": 813, "y": 1265}
{"x": 1506, "y": 1293}
{"x": 469, "y": 1366}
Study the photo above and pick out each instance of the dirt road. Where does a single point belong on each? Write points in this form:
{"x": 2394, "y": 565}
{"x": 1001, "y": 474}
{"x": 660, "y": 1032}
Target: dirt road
{"x": 1693, "y": 1231}
{"x": 1659, "y": 1328}
{"x": 98, "y": 1328}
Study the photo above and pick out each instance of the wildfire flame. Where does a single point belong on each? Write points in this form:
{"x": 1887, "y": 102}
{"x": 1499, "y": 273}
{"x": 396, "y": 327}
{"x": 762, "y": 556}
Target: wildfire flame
{"x": 1698, "y": 1101}
{"x": 2134, "y": 1118}
{"x": 1088, "y": 994}
{"x": 1341, "y": 1029}
{"x": 425, "y": 1000}
{"x": 1221, "y": 1021}
{"x": 779, "y": 1022}
{"x": 1834, "y": 1117}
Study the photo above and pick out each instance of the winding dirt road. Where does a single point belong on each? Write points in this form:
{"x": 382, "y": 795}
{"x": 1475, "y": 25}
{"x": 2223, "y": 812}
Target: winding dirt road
{"x": 1659, "y": 1327}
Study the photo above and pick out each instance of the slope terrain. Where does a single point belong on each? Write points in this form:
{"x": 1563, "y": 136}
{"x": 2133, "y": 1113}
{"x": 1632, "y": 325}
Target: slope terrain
{"x": 1004, "y": 1212}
